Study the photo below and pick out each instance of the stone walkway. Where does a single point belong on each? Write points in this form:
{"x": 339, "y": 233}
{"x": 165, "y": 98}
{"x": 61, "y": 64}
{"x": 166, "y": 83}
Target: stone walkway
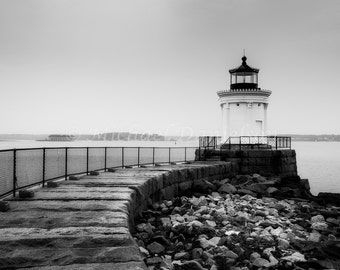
{"x": 84, "y": 224}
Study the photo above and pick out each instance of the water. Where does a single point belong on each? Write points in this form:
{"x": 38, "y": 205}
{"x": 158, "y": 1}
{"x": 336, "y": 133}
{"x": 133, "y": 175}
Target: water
{"x": 317, "y": 161}
{"x": 320, "y": 163}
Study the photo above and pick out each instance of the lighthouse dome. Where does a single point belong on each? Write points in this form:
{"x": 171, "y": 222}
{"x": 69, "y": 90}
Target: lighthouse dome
{"x": 244, "y": 76}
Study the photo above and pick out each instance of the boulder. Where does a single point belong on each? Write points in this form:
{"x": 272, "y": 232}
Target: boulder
{"x": 260, "y": 262}
{"x": 227, "y": 188}
{"x": 4, "y": 206}
{"x": 257, "y": 188}
{"x": 314, "y": 237}
{"x": 51, "y": 184}
{"x": 155, "y": 248}
{"x": 192, "y": 265}
{"x": 295, "y": 257}
{"x": 74, "y": 178}
{"x": 317, "y": 218}
{"x": 25, "y": 193}
{"x": 94, "y": 173}
{"x": 331, "y": 198}
{"x": 319, "y": 226}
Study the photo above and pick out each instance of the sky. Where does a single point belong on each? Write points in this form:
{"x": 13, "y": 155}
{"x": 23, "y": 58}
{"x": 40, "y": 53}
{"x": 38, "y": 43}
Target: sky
{"x": 154, "y": 66}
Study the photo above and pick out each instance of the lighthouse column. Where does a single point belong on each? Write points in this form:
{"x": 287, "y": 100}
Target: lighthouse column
{"x": 265, "y": 119}
{"x": 225, "y": 121}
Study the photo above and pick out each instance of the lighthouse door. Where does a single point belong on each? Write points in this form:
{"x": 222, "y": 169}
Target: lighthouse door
{"x": 259, "y": 128}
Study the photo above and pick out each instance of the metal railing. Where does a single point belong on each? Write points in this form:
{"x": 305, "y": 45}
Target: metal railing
{"x": 26, "y": 167}
{"x": 209, "y": 142}
{"x": 257, "y": 142}
{"x": 240, "y": 143}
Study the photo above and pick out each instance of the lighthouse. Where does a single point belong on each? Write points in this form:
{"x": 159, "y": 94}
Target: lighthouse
{"x": 244, "y": 105}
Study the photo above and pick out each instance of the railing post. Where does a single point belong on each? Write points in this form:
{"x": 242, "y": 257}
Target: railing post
{"x": 14, "y": 171}
{"x": 153, "y": 156}
{"x": 276, "y": 142}
{"x": 87, "y": 160}
{"x": 199, "y": 153}
{"x": 290, "y": 142}
{"x": 66, "y": 150}
{"x": 44, "y": 163}
{"x": 240, "y": 142}
{"x": 185, "y": 154}
{"x": 138, "y": 162}
{"x": 105, "y": 159}
{"x": 169, "y": 155}
{"x": 122, "y": 157}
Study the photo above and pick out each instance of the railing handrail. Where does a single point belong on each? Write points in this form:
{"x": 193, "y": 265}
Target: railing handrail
{"x": 66, "y": 158}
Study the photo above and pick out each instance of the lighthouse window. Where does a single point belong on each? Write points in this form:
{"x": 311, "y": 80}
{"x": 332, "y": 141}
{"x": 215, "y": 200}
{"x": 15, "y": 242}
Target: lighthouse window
{"x": 238, "y": 104}
{"x": 259, "y": 104}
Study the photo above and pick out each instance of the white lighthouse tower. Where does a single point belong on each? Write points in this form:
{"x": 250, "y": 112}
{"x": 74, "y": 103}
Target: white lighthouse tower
{"x": 244, "y": 105}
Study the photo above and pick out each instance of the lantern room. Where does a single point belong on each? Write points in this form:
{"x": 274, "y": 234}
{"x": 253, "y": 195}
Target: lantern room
{"x": 244, "y": 76}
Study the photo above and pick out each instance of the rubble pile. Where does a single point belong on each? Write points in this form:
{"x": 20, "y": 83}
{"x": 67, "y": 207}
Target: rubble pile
{"x": 225, "y": 230}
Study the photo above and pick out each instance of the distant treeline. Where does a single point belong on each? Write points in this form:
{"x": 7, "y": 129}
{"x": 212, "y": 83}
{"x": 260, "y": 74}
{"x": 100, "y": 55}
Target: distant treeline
{"x": 314, "y": 138}
{"x": 111, "y": 136}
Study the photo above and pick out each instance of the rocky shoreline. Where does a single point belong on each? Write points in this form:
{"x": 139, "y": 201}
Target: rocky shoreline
{"x": 242, "y": 222}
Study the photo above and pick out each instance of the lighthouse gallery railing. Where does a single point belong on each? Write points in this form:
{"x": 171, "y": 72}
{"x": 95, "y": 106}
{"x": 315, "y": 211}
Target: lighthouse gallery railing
{"x": 22, "y": 168}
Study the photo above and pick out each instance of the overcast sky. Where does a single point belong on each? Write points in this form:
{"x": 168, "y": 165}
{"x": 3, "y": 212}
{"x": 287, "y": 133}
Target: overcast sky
{"x": 88, "y": 66}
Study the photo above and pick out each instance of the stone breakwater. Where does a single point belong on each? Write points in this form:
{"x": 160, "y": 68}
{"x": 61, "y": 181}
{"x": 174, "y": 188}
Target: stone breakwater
{"x": 84, "y": 223}
{"x": 224, "y": 230}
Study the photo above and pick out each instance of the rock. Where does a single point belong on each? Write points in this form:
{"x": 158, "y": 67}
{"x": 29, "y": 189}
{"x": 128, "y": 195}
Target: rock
{"x": 25, "y": 193}
{"x": 243, "y": 191}
{"x": 182, "y": 256}
{"x": 277, "y": 231}
{"x": 191, "y": 265}
{"x": 144, "y": 251}
{"x": 215, "y": 240}
{"x": 295, "y": 257}
{"x": 204, "y": 243}
{"x": 155, "y": 248}
{"x": 165, "y": 222}
{"x": 227, "y": 188}
{"x": 154, "y": 261}
{"x": 94, "y": 173}
{"x": 331, "y": 198}
{"x": 317, "y": 218}
{"x": 197, "y": 253}
{"x": 74, "y": 178}
{"x": 260, "y": 262}
{"x": 231, "y": 255}
{"x": 52, "y": 184}
{"x": 314, "y": 237}
{"x": 161, "y": 240}
{"x": 258, "y": 178}
{"x": 272, "y": 190}
{"x": 231, "y": 232}
{"x": 333, "y": 221}
{"x": 111, "y": 169}
{"x": 203, "y": 186}
{"x": 196, "y": 224}
{"x": 273, "y": 261}
{"x": 4, "y": 206}
{"x": 283, "y": 243}
{"x": 254, "y": 256}
{"x": 257, "y": 188}
{"x": 144, "y": 227}
{"x": 211, "y": 223}
{"x": 320, "y": 226}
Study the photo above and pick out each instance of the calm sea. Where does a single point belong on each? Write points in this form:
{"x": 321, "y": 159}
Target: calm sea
{"x": 317, "y": 161}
